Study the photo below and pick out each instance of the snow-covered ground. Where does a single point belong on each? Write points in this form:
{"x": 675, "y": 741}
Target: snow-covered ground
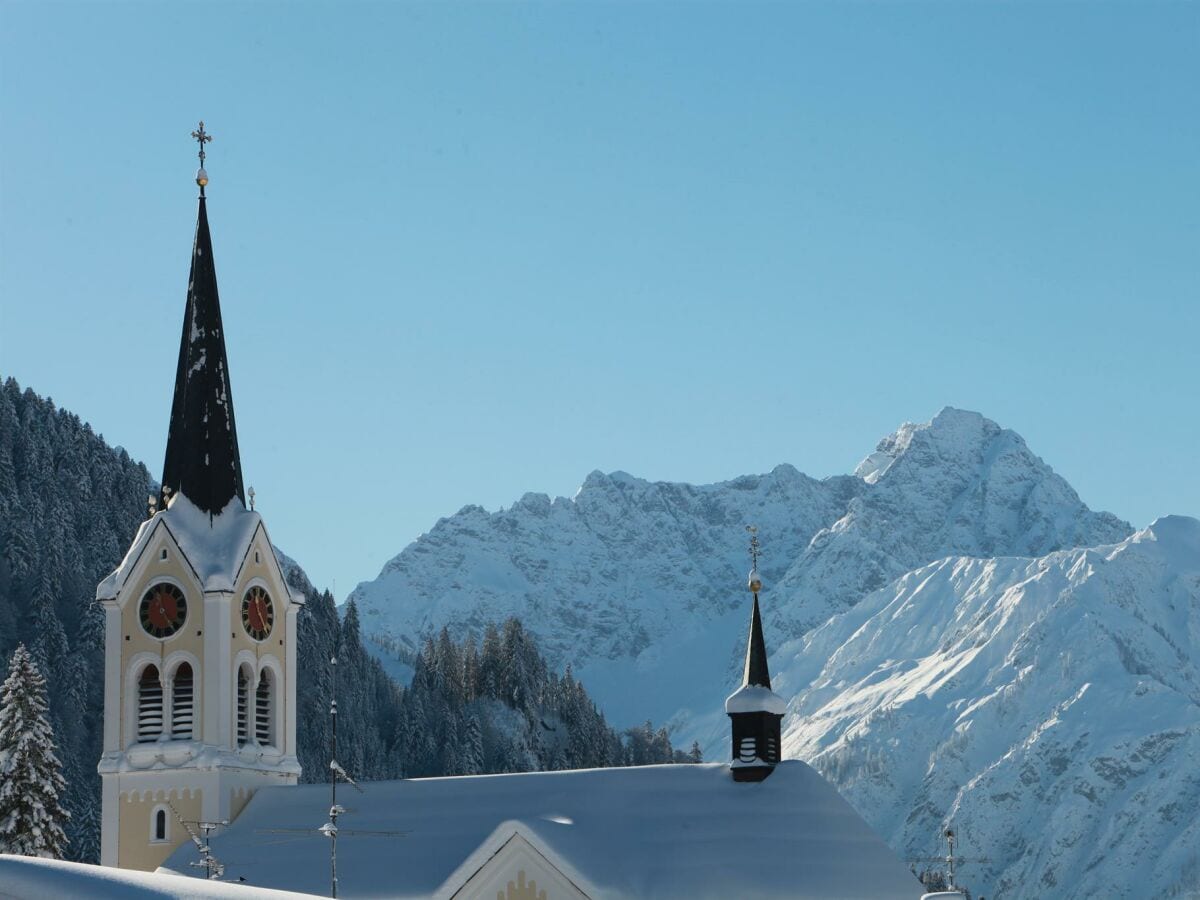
{"x": 24, "y": 878}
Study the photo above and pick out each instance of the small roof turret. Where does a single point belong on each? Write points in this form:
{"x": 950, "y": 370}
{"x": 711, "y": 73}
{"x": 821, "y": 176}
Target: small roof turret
{"x": 755, "y": 711}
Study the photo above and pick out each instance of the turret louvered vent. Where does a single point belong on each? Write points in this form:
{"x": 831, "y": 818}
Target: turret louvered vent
{"x": 182, "y": 715}
{"x": 747, "y": 752}
{"x": 150, "y": 706}
{"x": 243, "y": 703}
{"x": 262, "y": 710}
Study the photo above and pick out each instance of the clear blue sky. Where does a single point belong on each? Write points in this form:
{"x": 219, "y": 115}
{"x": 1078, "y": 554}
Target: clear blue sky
{"x": 470, "y": 251}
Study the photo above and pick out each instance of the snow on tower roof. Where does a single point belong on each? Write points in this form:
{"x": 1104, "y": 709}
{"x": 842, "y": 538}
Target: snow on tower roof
{"x": 654, "y": 831}
{"x": 213, "y": 546}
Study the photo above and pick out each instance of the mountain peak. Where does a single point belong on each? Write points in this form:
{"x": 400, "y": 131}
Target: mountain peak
{"x": 1175, "y": 535}
{"x": 951, "y": 433}
{"x": 957, "y": 485}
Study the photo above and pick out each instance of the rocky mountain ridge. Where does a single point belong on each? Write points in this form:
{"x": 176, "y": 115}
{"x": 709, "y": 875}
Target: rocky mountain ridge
{"x": 638, "y": 584}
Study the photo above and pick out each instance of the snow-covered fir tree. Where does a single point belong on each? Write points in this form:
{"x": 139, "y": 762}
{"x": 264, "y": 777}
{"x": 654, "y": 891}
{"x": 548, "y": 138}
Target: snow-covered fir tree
{"x": 31, "y": 817}
{"x": 69, "y": 506}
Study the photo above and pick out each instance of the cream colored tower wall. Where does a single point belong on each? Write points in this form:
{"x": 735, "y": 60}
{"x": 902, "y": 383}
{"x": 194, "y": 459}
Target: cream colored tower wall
{"x": 210, "y": 774}
{"x": 136, "y": 817}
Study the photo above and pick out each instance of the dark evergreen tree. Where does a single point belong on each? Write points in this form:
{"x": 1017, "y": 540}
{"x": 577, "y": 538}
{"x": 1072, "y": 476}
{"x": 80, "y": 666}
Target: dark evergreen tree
{"x": 31, "y": 782}
{"x": 69, "y": 507}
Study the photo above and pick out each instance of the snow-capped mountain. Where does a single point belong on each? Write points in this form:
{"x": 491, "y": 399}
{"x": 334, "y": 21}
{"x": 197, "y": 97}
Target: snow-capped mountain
{"x": 639, "y": 584}
{"x": 959, "y": 485}
{"x": 959, "y": 637}
{"x": 1049, "y": 707}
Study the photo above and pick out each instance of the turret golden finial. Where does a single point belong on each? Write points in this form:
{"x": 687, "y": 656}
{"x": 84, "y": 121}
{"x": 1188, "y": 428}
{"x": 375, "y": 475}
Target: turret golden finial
{"x": 755, "y": 582}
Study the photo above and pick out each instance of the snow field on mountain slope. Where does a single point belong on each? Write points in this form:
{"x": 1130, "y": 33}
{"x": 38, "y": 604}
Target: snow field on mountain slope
{"x": 1049, "y": 708}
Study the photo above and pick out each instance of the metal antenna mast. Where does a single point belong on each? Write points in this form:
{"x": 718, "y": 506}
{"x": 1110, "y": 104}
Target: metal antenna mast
{"x": 950, "y": 855}
{"x": 211, "y": 865}
{"x": 950, "y": 859}
{"x": 330, "y": 829}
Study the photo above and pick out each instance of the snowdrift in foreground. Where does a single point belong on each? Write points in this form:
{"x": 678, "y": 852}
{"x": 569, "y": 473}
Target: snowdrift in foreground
{"x": 23, "y": 878}
{"x": 1049, "y": 707}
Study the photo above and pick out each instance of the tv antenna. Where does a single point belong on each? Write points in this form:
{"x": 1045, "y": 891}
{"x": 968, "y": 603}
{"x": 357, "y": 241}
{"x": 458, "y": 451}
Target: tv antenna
{"x": 212, "y": 866}
{"x": 950, "y": 860}
{"x": 331, "y": 829}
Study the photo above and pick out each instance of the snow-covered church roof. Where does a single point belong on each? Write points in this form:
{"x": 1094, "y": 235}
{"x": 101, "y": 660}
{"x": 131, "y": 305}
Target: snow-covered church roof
{"x": 678, "y": 831}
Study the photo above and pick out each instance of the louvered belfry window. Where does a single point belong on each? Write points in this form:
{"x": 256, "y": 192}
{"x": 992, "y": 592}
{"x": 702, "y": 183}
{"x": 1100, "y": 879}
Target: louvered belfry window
{"x": 748, "y": 751}
{"x": 182, "y": 707}
{"x": 150, "y": 706}
{"x": 262, "y": 708}
{"x": 772, "y": 751}
{"x": 243, "y": 703}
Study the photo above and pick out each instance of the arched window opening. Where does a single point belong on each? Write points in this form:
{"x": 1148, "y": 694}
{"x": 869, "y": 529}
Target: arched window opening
{"x": 243, "y": 704}
{"x": 160, "y": 825}
{"x": 182, "y": 706}
{"x": 150, "y": 706}
{"x": 263, "y": 713}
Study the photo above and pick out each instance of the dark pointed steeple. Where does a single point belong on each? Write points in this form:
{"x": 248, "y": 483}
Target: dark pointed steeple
{"x": 755, "y": 711}
{"x": 756, "y": 671}
{"x": 202, "y": 461}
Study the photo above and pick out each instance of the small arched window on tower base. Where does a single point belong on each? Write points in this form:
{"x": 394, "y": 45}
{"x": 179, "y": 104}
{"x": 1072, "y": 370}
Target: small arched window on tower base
{"x": 160, "y": 825}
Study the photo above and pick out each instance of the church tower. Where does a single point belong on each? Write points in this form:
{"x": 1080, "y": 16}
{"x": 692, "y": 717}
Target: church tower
{"x": 755, "y": 711}
{"x": 200, "y": 626}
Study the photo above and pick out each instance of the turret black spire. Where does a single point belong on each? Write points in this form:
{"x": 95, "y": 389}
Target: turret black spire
{"x": 202, "y": 460}
{"x": 756, "y": 672}
{"x": 755, "y": 711}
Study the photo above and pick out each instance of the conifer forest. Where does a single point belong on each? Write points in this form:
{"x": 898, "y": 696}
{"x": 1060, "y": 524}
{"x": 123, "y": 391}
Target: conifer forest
{"x": 70, "y": 505}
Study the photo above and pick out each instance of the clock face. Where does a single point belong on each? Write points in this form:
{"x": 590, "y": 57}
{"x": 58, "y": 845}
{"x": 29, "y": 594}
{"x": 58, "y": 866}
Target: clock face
{"x": 163, "y": 610}
{"x": 258, "y": 613}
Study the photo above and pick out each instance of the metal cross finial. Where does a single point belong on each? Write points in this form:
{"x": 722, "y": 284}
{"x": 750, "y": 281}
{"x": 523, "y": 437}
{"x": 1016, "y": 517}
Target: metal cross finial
{"x": 754, "y": 550}
{"x": 202, "y": 137}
